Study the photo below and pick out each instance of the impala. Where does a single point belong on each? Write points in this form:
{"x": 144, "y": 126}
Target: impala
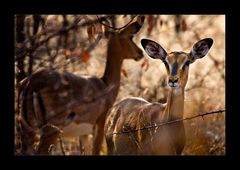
{"x": 54, "y": 103}
{"x": 124, "y": 129}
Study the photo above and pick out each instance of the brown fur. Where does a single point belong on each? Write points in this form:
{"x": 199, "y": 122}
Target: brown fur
{"x": 52, "y": 98}
{"x": 135, "y": 113}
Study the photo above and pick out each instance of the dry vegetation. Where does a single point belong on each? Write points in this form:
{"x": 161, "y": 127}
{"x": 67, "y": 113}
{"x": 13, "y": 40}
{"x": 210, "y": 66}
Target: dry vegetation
{"x": 73, "y": 46}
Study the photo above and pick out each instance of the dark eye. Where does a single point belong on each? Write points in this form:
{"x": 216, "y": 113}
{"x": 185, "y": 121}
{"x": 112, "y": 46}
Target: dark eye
{"x": 186, "y": 64}
{"x": 166, "y": 64}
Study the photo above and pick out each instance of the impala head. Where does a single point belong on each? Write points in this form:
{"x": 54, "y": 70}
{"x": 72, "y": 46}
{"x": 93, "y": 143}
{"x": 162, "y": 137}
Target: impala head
{"x": 177, "y": 63}
{"x": 124, "y": 39}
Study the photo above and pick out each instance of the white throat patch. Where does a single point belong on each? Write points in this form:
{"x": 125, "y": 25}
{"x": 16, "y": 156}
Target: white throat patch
{"x": 177, "y": 91}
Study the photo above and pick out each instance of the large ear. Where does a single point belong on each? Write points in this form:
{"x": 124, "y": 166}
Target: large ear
{"x": 200, "y": 49}
{"x": 153, "y": 49}
{"x": 134, "y": 27}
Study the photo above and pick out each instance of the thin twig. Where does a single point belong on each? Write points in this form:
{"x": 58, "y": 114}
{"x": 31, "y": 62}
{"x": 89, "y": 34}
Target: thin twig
{"x": 215, "y": 62}
{"x": 217, "y": 65}
{"x": 21, "y": 53}
{"x": 170, "y": 122}
{"x": 199, "y": 84}
{"x": 89, "y": 49}
{"x": 114, "y": 28}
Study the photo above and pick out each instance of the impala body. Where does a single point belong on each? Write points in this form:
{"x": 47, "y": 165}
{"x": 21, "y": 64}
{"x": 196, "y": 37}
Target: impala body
{"x": 52, "y": 102}
{"x": 125, "y": 130}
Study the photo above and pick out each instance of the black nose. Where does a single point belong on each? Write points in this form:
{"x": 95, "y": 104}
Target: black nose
{"x": 173, "y": 81}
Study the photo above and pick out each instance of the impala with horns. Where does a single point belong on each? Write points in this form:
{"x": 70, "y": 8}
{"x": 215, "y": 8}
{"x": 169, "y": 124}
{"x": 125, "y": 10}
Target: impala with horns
{"x": 52, "y": 103}
{"x": 126, "y": 128}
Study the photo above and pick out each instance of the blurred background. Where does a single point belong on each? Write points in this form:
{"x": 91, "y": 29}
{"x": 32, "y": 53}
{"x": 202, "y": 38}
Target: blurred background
{"x": 77, "y": 43}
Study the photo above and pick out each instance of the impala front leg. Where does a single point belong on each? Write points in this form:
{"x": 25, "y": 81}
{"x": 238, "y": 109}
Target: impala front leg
{"x": 28, "y": 141}
{"x": 98, "y": 133}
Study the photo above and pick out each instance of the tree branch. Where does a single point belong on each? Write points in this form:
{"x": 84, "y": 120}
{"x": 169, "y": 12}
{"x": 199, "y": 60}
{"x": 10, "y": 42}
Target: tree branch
{"x": 114, "y": 28}
{"x": 89, "y": 49}
{"x": 21, "y": 53}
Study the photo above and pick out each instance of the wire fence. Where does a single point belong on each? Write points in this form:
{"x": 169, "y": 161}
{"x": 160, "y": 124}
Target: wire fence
{"x": 166, "y": 123}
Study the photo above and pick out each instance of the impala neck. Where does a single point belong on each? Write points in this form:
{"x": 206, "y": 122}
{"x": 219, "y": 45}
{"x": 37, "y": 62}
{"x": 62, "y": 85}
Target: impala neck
{"x": 114, "y": 62}
{"x": 175, "y": 105}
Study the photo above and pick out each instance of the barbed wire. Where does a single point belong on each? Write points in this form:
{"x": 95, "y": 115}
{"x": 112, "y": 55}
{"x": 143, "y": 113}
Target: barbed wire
{"x": 165, "y": 123}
